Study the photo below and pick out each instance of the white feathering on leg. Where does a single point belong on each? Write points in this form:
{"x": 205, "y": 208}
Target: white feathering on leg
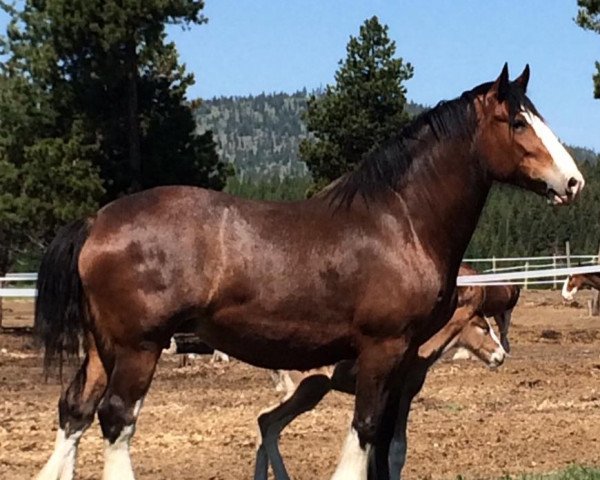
{"x": 354, "y": 460}
{"x": 61, "y": 464}
{"x": 117, "y": 461}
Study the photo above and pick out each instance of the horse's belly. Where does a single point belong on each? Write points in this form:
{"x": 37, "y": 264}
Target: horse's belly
{"x": 280, "y": 346}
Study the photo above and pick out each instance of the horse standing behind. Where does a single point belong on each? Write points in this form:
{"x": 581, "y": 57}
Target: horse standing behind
{"x": 499, "y": 302}
{"x": 366, "y": 270}
{"x": 580, "y": 281}
{"x": 304, "y": 390}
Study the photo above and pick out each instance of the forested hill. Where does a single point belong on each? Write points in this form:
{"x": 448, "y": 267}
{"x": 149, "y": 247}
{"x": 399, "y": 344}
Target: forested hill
{"x": 260, "y": 134}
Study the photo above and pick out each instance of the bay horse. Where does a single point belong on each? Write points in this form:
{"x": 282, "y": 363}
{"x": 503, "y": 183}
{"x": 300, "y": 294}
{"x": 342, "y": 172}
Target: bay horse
{"x": 365, "y": 270}
{"x": 580, "y": 281}
{"x": 499, "y": 302}
{"x": 304, "y": 390}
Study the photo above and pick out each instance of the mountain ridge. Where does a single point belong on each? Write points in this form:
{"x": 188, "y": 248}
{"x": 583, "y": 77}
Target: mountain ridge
{"x": 260, "y": 134}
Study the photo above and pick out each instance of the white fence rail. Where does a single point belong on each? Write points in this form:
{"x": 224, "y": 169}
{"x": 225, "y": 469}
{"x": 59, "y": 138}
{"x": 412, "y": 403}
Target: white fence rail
{"x": 508, "y": 278}
{"x": 20, "y": 277}
{"x": 15, "y": 292}
{"x": 527, "y": 273}
{"x": 18, "y": 292}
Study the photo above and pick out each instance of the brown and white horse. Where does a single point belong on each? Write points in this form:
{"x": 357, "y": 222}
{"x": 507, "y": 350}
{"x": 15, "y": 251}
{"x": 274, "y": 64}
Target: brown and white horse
{"x": 499, "y": 302}
{"x": 366, "y": 270}
{"x": 580, "y": 281}
{"x": 304, "y": 390}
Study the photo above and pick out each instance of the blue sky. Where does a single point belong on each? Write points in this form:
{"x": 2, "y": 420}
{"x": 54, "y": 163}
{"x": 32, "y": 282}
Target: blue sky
{"x": 251, "y": 46}
{"x": 254, "y": 46}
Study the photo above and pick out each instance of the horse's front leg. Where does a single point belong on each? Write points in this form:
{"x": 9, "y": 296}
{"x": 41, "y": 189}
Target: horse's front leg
{"x": 377, "y": 362}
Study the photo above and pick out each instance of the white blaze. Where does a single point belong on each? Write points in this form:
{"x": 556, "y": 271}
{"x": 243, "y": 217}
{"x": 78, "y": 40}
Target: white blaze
{"x": 566, "y": 293}
{"x": 563, "y": 161}
{"x": 498, "y": 356}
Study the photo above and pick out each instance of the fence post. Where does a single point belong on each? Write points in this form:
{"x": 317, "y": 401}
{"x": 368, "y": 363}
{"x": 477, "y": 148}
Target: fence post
{"x": 554, "y": 268}
{"x": 494, "y": 264}
{"x": 568, "y": 253}
{"x": 526, "y": 280}
{"x": 596, "y": 301}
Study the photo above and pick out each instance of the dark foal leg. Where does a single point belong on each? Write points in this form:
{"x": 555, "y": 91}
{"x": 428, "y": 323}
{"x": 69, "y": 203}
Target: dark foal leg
{"x": 343, "y": 378}
{"x": 397, "y": 449}
{"x": 376, "y": 364}
{"x": 76, "y": 409}
{"x": 120, "y": 407}
{"x": 503, "y": 322}
{"x": 306, "y": 396}
{"x": 378, "y": 459}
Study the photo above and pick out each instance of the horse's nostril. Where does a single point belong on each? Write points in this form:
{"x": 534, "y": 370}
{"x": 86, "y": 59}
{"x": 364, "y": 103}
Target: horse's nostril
{"x": 572, "y": 183}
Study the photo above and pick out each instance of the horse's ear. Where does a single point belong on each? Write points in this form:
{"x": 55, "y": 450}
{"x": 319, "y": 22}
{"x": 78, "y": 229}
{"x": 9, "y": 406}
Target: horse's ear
{"x": 500, "y": 86}
{"x": 523, "y": 79}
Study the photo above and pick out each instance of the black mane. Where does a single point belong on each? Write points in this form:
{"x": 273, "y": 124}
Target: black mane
{"x": 382, "y": 169}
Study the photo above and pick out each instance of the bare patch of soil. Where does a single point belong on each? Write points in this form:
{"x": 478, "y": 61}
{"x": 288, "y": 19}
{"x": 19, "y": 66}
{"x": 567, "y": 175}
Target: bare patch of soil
{"x": 539, "y": 412}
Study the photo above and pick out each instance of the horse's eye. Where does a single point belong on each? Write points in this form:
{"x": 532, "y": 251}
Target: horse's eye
{"x": 482, "y": 329}
{"x": 483, "y": 326}
{"x": 519, "y": 125}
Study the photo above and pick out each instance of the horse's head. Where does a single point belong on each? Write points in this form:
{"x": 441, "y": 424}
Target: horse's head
{"x": 518, "y": 147}
{"x": 571, "y": 285}
{"x": 479, "y": 337}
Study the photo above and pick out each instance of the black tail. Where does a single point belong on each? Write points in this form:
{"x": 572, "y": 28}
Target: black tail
{"x": 60, "y": 307}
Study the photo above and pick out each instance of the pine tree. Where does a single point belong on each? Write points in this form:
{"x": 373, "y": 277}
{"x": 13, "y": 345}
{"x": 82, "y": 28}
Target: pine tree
{"x": 588, "y": 18}
{"x": 111, "y": 71}
{"x": 363, "y": 108}
{"x": 46, "y": 177}
{"x": 92, "y": 105}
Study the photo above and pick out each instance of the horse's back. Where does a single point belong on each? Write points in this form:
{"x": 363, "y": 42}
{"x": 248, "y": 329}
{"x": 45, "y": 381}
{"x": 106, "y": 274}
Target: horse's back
{"x": 500, "y": 298}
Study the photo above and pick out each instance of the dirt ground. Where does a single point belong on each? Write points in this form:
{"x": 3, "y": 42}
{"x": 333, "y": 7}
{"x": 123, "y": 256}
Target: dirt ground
{"x": 539, "y": 412}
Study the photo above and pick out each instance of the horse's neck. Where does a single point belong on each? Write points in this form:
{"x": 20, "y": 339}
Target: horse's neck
{"x": 444, "y": 195}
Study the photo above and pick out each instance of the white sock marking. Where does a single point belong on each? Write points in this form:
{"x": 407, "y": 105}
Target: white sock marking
{"x": 354, "y": 460}
{"x": 117, "y": 461}
{"x": 218, "y": 356}
{"x": 61, "y": 464}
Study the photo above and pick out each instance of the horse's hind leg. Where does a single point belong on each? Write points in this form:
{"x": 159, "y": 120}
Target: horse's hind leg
{"x": 76, "y": 409}
{"x": 309, "y": 393}
{"x": 128, "y": 383}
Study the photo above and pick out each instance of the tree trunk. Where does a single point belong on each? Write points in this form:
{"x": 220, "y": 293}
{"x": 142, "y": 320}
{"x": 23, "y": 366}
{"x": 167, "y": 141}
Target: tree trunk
{"x": 135, "y": 158}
